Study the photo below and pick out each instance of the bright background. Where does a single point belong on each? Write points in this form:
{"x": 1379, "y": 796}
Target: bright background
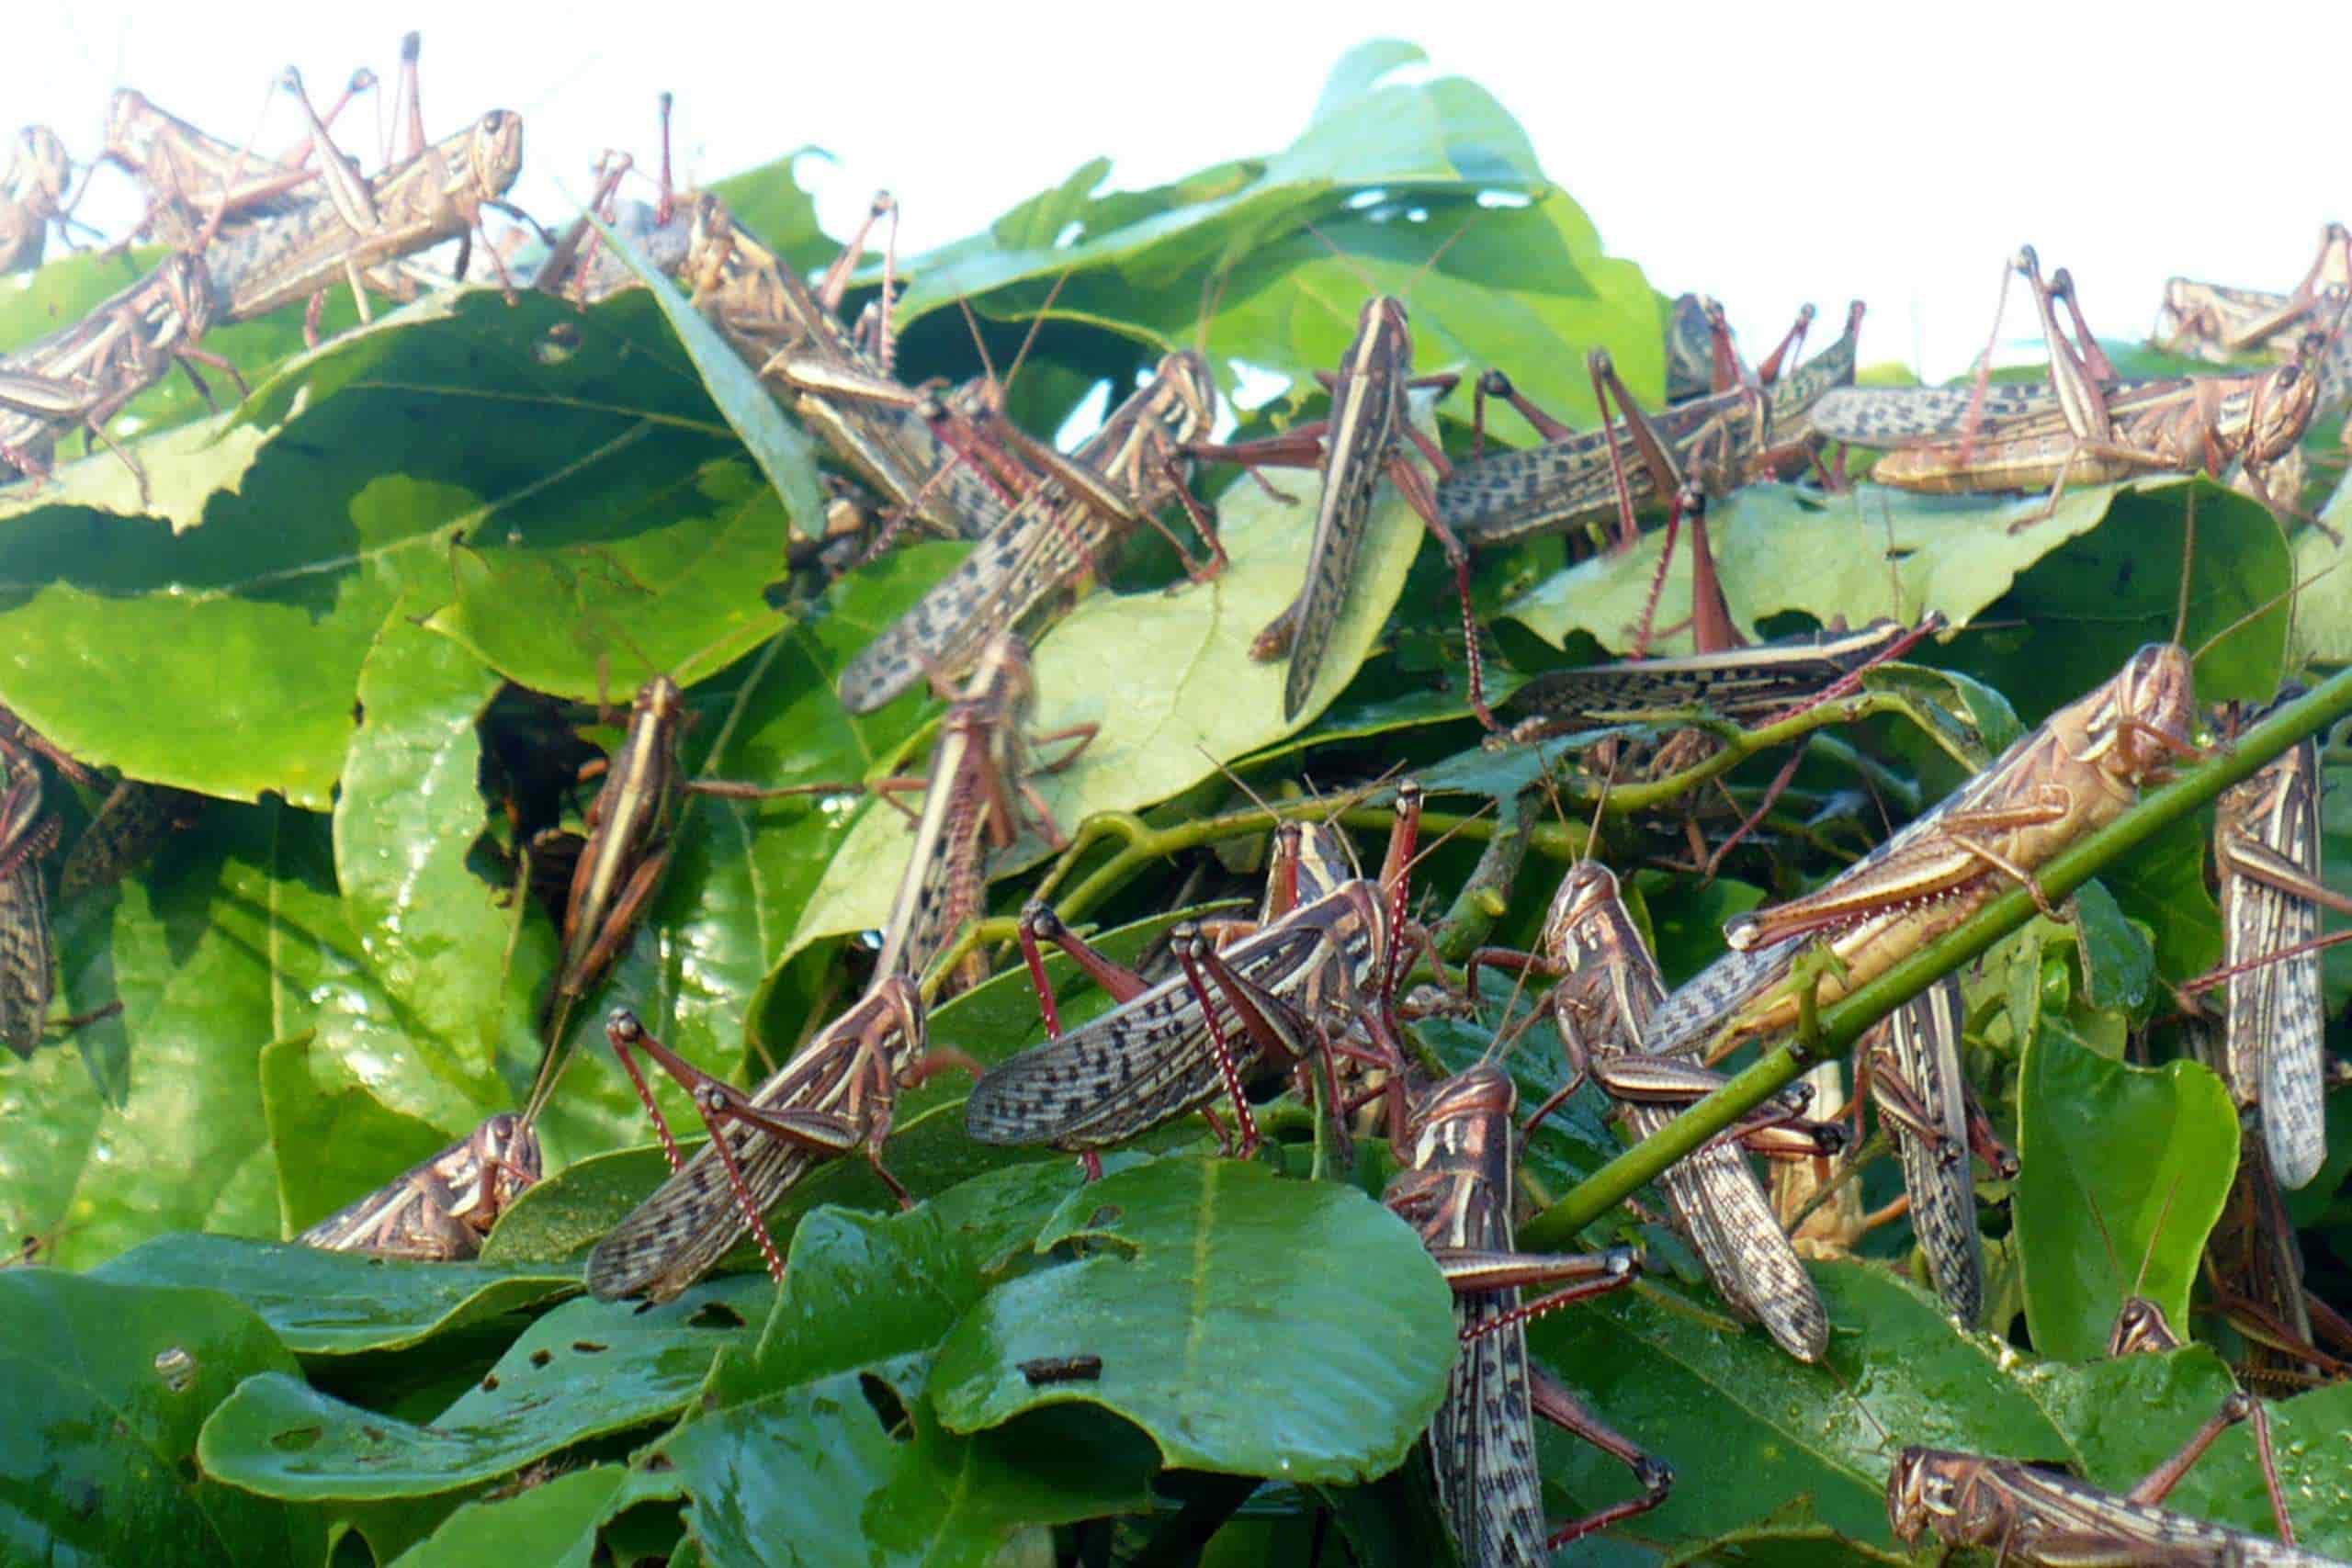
{"x": 1765, "y": 155}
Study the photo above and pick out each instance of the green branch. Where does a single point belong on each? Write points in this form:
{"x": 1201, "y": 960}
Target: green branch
{"x": 1840, "y": 1025}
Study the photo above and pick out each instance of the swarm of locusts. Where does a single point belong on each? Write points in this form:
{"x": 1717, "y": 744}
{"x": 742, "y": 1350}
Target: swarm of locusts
{"x": 1314, "y": 999}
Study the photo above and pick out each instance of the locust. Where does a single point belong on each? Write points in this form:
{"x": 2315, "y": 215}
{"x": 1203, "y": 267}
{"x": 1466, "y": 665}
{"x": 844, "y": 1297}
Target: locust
{"x": 578, "y": 265}
{"x": 198, "y": 186}
{"x": 27, "y": 954}
{"x": 1319, "y": 960}
{"x": 1054, "y": 541}
{"x": 128, "y": 827}
{"x": 1603, "y": 1007}
{"x": 834, "y": 1097}
{"x": 441, "y": 1208}
{"x": 629, "y": 846}
{"x": 2083, "y": 426}
{"x": 1458, "y": 1194}
{"x": 837, "y": 381}
{"x": 1572, "y": 481}
{"x": 1922, "y": 1096}
{"x": 1745, "y": 685}
{"x": 32, "y": 197}
{"x": 2267, "y": 846}
{"x": 2076, "y": 772}
{"x": 361, "y": 225}
{"x": 2220, "y": 323}
{"x": 1360, "y": 442}
{"x": 2031, "y": 1514}
{"x": 1709, "y": 445}
{"x": 83, "y": 375}
{"x": 979, "y": 782}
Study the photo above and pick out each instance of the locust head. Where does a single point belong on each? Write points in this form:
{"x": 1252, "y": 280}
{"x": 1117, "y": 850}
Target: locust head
{"x": 2151, "y": 713}
{"x": 511, "y": 1163}
{"x": 494, "y": 154}
{"x": 1918, "y": 1494}
{"x": 1186, "y": 407}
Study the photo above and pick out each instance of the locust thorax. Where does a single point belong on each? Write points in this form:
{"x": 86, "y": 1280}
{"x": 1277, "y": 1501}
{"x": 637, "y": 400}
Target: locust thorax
{"x": 1586, "y": 916}
{"x": 1456, "y": 1114}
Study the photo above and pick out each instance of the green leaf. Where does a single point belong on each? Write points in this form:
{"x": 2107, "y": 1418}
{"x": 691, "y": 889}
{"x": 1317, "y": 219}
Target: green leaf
{"x": 554, "y": 1523}
{"x": 2118, "y": 963}
{"x": 102, "y": 1389}
{"x": 1693, "y": 1395}
{"x": 2124, "y": 1171}
{"x": 1442, "y": 137}
{"x": 602, "y": 435}
{"x": 236, "y": 941}
{"x": 586, "y": 1369}
{"x": 1183, "y": 696}
{"x": 405, "y": 824}
{"x": 2112, "y": 594}
{"x": 793, "y": 1449}
{"x": 337, "y": 1304}
{"x": 2324, "y": 605}
{"x": 1223, "y": 1330}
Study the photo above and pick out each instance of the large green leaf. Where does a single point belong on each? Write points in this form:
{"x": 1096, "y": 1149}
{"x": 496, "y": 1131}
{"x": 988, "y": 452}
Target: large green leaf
{"x": 337, "y": 1303}
{"x": 795, "y": 1447}
{"x": 1416, "y": 139}
{"x": 103, "y": 1388}
{"x": 516, "y": 425}
{"x": 2113, "y": 591}
{"x": 236, "y": 940}
{"x": 2124, "y": 1171}
{"x": 587, "y": 1369}
{"x": 1222, "y": 1328}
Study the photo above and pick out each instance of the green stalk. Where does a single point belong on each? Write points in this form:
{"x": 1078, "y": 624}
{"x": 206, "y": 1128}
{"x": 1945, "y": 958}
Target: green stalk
{"x": 1839, "y": 1026}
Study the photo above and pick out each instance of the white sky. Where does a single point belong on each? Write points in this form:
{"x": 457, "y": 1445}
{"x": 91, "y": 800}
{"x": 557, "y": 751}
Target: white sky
{"x": 1763, "y": 154}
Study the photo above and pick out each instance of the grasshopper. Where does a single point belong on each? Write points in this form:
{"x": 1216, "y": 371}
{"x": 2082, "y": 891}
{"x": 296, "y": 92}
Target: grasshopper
{"x": 579, "y": 269}
{"x": 2034, "y": 1516}
{"x": 32, "y": 197}
{"x": 28, "y": 957}
{"x": 2079, "y": 770}
{"x": 197, "y": 185}
{"x": 362, "y": 225}
{"x": 2082, "y": 426}
{"x": 2267, "y": 846}
{"x": 440, "y": 1210}
{"x": 1458, "y": 1194}
{"x": 1571, "y": 480}
{"x": 85, "y": 374}
{"x": 2220, "y": 323}
{"x": 1361, "y": 442}
{"x": 1922, "y": 1096}
{"x": 131, "y": 823}
{"x": 836, "y": 1095}
{"x": 1747, "y": 685}
{"x": 627, "y": 851}
{"x": 1321, "y": 942}
{"x": 837, "y": 379}
{"x": 1709, "y": 444}
{"x": 1602, "y": 1007}
{"x": 1054, "y": 540}
{"x": 980, "y": 769}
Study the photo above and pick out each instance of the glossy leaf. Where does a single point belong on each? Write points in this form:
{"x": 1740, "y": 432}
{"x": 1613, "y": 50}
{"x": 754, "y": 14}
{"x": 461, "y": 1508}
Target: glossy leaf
{"x": 337, "y": 1303}
{"x": 103, "y": 1388}
{"x": 1203, "y": 1271}
{"x": 2124, "y": 1171}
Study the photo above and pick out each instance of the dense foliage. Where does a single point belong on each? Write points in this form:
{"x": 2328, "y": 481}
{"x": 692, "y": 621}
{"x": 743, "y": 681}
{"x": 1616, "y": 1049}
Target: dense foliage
{"x": 348, "y": 619}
